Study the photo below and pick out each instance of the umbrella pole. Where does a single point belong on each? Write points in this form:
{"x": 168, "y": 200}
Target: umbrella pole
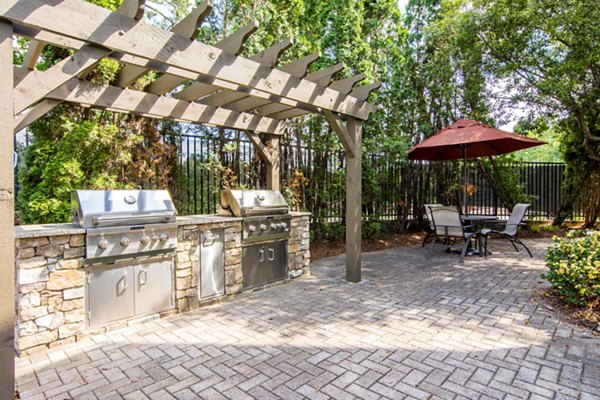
{"x": 463, "y": 149}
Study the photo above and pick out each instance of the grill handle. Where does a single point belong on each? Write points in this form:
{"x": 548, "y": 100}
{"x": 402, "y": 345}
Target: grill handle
{"x": 99, "y": 220}
{"x": 265, "y": 210}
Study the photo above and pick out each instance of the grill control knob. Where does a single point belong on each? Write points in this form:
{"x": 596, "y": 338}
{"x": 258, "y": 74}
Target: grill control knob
{"x": 273, "y": 226}
{"x": 252, "y": 228}
{"x": 163, "y": 237}
{"x": 283, "y": 225}
{"x": 125, "y": 241}
{"x": 103, "y": 244}
{"x": 263, "y": 227}
{"x": 145, "y": 239}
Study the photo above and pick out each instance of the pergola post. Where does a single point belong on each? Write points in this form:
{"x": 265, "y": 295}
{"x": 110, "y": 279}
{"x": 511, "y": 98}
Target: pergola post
{"x": 273, "y": 167}
{"x": 269, "y": 153}
{"x": 7, "y": 243}
{"x": 353, "y": 201}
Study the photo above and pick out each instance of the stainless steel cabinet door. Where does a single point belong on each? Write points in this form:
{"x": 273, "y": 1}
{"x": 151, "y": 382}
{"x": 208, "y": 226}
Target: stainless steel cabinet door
{"x": 277, "y": 261}
{"x": 264, "y": 263}
{"x": 254, "y": 261}
{"x": 109, "y": 295}
{"x": 212, "y": 270}
{"x": 153, "y": 286}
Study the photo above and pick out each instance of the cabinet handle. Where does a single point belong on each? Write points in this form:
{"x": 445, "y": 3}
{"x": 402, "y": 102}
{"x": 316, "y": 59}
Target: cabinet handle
{"x": 271, "y": 254}
{"x": 143, "y": 274}
{"x": 210, "y": 239}
{"x": 262, "y": 255}
{"x": 123, "y": 283}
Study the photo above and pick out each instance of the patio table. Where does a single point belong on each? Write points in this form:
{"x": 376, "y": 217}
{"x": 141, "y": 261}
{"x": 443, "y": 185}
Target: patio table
{"x": 479, "y": 220}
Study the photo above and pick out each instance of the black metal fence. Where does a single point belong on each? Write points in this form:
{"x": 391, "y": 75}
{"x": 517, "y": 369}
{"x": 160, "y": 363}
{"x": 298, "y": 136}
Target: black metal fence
{"x": 388, "y": 188}
{"x": 392, "y": 191}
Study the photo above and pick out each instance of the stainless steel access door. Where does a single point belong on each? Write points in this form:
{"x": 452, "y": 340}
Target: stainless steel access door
{"x": 212, "y": 266}
{"x": 154, "y": 285}
{"x": 109, "y": 295}
{"x": 128, "y": 288}
{"x": 264, "y": 263}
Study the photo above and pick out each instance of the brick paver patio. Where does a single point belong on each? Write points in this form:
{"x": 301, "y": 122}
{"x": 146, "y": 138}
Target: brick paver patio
{"x": 414, "y": 328}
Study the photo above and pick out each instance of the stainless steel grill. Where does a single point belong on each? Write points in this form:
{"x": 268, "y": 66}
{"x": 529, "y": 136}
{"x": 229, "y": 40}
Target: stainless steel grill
{"x": 131, "y": 240}
{"x": 266, "y": 214}
{"x": 266, "y": 228}
{"x": 125, "y": 223}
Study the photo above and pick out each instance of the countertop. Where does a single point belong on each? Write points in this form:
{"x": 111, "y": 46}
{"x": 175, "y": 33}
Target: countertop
{"x": 32, "y": 231}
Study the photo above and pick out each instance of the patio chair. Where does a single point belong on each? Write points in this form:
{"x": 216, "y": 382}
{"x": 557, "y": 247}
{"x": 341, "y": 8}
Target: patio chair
{"x": 431, "y": 228}
{"x": 449, "y": 228}
{"x": 511, "y": 228}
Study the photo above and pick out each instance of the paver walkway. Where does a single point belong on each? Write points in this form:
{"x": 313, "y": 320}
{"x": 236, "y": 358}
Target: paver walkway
{"x": 414, "y": 328}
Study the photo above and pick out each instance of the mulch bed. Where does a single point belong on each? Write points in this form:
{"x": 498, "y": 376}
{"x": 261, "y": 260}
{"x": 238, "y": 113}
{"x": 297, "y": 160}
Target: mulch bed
{"x": 586, "y": 318}
{"x": 382, "y": 241}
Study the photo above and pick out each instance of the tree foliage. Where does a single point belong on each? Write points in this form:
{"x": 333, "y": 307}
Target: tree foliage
{"x": 440, "y": 60}
{"x": 546, "y": 54}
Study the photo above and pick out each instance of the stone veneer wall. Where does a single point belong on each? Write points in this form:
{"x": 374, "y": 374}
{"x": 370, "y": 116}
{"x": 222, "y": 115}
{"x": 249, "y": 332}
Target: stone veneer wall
{"x": 187, "y": 265}
{"x": 49, "y": 291}
{"x": 50, "y": 276}
{"x": 299, "y": 246}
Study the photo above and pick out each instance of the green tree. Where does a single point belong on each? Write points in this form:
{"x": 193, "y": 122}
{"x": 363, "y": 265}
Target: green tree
{"x": 546, "y": 54}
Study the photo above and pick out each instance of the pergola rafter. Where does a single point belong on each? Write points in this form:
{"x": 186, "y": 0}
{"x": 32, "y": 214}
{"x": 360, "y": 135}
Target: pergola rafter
{"x": 252, "y": 94}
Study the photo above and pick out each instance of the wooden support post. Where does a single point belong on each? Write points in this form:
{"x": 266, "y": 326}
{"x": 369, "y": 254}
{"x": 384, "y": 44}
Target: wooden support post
{"x": 7, "y": 241}
{"x": 270, "y": 155}
{"x": 273, "y": 168}
{"x": 353, "y": 202}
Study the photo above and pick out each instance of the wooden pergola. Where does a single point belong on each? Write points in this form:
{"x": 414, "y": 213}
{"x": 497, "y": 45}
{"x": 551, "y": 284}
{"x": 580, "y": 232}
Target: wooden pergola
{"x": 200, "y": 83}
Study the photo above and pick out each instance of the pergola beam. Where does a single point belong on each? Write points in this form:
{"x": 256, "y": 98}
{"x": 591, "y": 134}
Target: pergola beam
{"x": 268, "y": 57}
{"x": 233, "y": 44}
{"x": 322, "y": 77}
{"x": 35, "y": 85}
{"x": 32, "y": 114}
{"x": 33, "y": 53}
{"x": 262, "y": 150}
{"x": 118, "y": 33}
{"x": 298, "y": 68}
{"x": 342, "y": 133}
{"x": 203, "y": 87}
{"x": 280, "y": 112}
{"x": 347, "y": 84}
{"x": 187, "y": 27}
{"x": 363, "y": 92}
{"x": 146, "y": 104}
{"x": 270, "y": 155}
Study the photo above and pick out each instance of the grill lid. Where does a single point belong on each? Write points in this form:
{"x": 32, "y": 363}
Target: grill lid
{"x": 100, "y": 208}
{"x": 243, "y": 203}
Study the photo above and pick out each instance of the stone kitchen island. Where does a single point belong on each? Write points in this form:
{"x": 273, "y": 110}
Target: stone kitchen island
{"x": 51, "y": 274}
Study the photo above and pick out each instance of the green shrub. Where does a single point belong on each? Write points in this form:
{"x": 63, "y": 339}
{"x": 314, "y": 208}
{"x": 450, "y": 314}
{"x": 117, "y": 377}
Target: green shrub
{"x": 574, "y": 263}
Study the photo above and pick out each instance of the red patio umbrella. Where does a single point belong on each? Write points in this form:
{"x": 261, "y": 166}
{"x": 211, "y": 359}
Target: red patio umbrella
{"x": 469, "y": 139}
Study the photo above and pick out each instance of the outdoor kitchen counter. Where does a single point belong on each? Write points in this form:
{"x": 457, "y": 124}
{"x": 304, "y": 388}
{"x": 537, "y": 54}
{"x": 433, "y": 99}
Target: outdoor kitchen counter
{"x": 33, "y": 231}
{"x": 202, "y": 219}
{"x": 205, "y": 219}
{"x": 50, "y": 272}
